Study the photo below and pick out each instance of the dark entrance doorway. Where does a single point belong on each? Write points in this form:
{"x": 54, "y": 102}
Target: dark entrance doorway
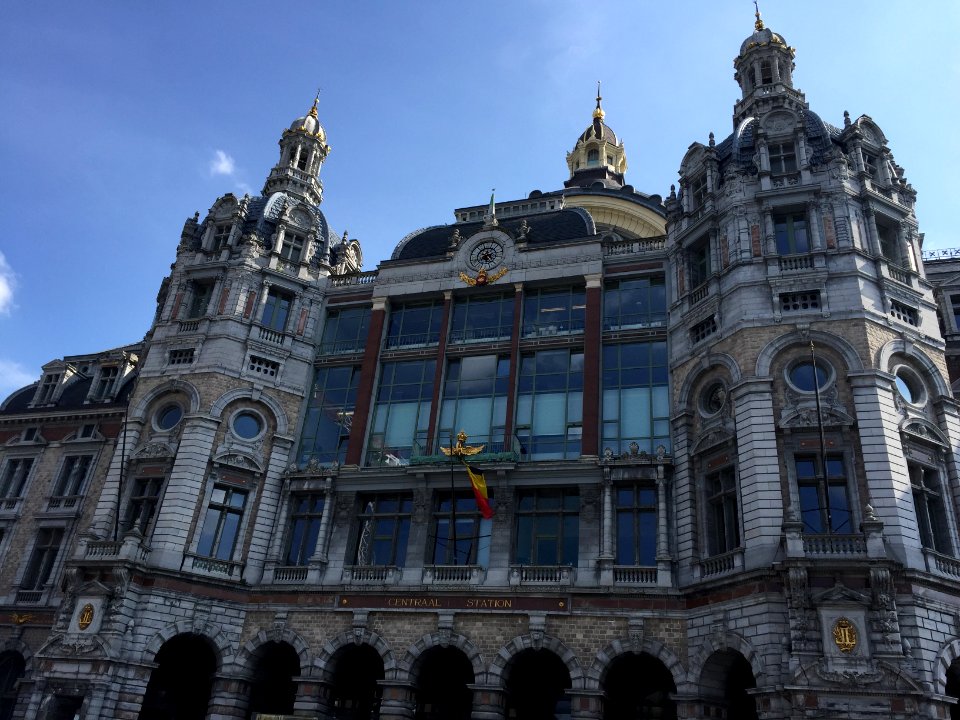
{"x": 638, "y": 687}
{"x": 12, "y": 667}
{"x": 724, "y": 682}
{"x": 442, "y": 692}
{"x": 273, "y": 691}
{"x": 356, "y": 694}
{"x": 179, "y": 687}
{"x": 536, "y": 685}
{"x": 953, "y": 687}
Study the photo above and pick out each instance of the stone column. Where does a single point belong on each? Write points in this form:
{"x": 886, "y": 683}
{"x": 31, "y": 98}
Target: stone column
{"x": 320, "y": 551}
{"x": 816, "y": 239}
{"x": 314, "y": 698}
{"x": 108, "y": 504}
{"x": 271, "y": 491}
{"x": 664, "y": 578}
{"x": 229, "y": 698}
{"x": 769, "y": 230}
{"x": 607, "y": 558}
{"x": 397, "y": 702}
{"x": 361, "y": 411}
{"x": 590, "y": 420}
{"x": 508, "y": 430}
{"x": 489, "y": 703}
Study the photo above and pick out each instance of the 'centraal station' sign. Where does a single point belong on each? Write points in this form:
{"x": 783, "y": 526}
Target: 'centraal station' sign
{"x": 453, "y": 602}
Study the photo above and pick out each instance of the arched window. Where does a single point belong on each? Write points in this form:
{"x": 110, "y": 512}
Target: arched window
{"x": 593, "y": 157}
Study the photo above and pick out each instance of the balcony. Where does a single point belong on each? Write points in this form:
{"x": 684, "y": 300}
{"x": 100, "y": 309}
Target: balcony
{"x": 64, "y": 502}
{"x": 542, "y": 575}
{"x": 722, "y": 564}
{"x": 272, "y": 336}
{"x": 795, "y": 263}
{"x": 480, "y": 335}
{"x": 28, "y": 597}
{"x": 362, "y": 278}
{"x": 453, "y": 574}
{"x": 633, "y": 247}
{"x": 342, "y": 347}
{"x": 942, "y": 564}
{"x": 213, "y": 567}
{"x": 631, "y": 575}
{"x": 290, "y": 574}
{"x": 371, "y": 574}
{"x": 413, "y": 340}
{"x": 129, "y": 548}
{"x": 551, "y": 329}
{"x": 188, "y": 326}
{"x": 835, "y": 546}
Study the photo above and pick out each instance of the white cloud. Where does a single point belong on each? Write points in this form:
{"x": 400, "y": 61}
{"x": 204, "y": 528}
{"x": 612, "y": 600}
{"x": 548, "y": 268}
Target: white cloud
{"x": 222, "y": 164}
{"x": 13, "y": 376}
{"x": 7, "y": 284}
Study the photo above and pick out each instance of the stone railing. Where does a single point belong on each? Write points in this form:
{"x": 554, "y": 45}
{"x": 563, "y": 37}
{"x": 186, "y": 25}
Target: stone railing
{"x": 361, "y": 278}
{"x": 942, "y": 564}
{"x": 453, "y": 574}
{"x": 271, "y": 336}
{"x": 290, "y": 574}
{"x": 66, "y": 502}
{"x": 720, "y": 564}
{"x": 629, "y": 575}
{"x": 28, "y": 596}
{"x": 835, "y": 545}
{"x": 188, "y": 326}
{"x": 129, "y": 548}
{"x": 699, "y": 293}
{"x": 541, "y": 575}
{"x": 794, "y": 263}
{"x": 214, "y": 566}
{"x": 378, "y": 574}
{"x": 633, "y": 247}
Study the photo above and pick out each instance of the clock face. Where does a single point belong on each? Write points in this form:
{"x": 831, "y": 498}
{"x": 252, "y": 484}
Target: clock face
{"x": 486, "y": 255}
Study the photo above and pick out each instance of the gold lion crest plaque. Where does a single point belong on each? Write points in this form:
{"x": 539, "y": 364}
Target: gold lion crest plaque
{"x": 85, "y": 617}
{"x": 845, "y": 635}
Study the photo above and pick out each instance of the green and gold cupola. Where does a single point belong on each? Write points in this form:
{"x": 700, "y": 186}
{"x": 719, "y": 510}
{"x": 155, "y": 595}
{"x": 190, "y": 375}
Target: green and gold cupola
{"x": 598, "y": 155}
{"x": 303, "y": 148}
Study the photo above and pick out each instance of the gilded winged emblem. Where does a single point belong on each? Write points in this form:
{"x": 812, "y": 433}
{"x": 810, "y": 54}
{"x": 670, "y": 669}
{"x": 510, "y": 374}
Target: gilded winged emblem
{"x": 461, "y": 449}
{"x": 482, "y": 277}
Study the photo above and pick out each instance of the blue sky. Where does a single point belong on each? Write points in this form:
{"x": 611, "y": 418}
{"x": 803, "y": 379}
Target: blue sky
{"x": 124, "y": 118}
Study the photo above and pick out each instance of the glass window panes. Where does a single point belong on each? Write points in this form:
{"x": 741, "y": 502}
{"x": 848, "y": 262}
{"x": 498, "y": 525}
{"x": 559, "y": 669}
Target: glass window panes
{"x": 221, "y": 523}
{"x": 931, "y": 512}
{"x": 247, "y": 425}
{"x": 345, "y": 331}
{"x": 636, "y": 508}
{"x": 276, "y": 310}
{"x": 635, "y": 303}
{"x": 482, "y": 318}
{"x": 723, "y": 518}
{"x": 306, "y": 511}
{"x": 472, "y": 532}
{"x": 550, "y": 404}
{"x": 636, "y": 401}
{"x": 553, "y": 312}
{"x": 169, "y": 416}
{"x": 384, "y": 527}
{"x": 414, "y": 324}
{"x": 402, "y": 412}
{"x": 791, "y": 234}
{"x": 824, "y": 499}
{"x": 475, "y": 400}
{"x": 801, "y": 375}
{"x": 326, "y": 428}
{"x": 548, "y": 526}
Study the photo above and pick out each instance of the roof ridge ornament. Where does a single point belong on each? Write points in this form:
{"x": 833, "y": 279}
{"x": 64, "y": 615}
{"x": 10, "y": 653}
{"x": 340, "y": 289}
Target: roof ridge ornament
{"x": 598, "y": 113}
{"x": 758, "y": 25}
{"x": 313, "y": 110}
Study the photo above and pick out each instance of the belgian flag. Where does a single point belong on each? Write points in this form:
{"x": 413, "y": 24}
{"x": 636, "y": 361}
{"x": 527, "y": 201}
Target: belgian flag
{"x": 479, "y": 485}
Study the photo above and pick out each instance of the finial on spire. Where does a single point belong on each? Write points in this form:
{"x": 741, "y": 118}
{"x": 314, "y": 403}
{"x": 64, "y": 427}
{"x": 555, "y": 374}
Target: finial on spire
{"x": 598, "y": 113}
{"x": 313, "y": 110}
{"x": 490, "y": 219}
{"x": 758, "y": 25}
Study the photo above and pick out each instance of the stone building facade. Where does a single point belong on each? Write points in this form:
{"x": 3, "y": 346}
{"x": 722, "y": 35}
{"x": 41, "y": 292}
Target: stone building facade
{"x": 715, "y": 431}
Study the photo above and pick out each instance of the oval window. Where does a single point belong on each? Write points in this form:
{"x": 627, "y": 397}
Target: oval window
{"x": 909, "y": 386}
{"x": 801, "y": 375}
{"x": 247, "y": 425}
{"x": 713, "y": 398}
{"x": 169, "y": 416}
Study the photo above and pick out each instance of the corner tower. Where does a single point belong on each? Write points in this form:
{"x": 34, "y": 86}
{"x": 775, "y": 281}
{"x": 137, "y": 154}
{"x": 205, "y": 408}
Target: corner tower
{"x": 814, "y": 428}
{"x": 303, "y": 148}
{"x": 598, "y": 155}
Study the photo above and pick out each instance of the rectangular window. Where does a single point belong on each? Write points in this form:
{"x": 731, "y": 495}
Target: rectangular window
{"x": 47, "y": 388}
{"x": 181, "y": 357}
{"x": 475, "y": 401}
{"x": 635, "y": 303}
{"x": 200, "y": 299}
{"x": 292, "y": 247}
{"x": 955, "y": 306}
{"x": 72, "y": 475}
{"x": 142, "y": 505}
{"x": 783, "y": 158}
{"x": 326, "y": 428}
{"x": 550, "y": 405}
{"x": 904, "y": 313}
{"x": 800, "y": 301}
{"x": 482, "y": 319}
{"x": 305, "y": 515}
{"x": 930, "y": 507}
{"x": 766, "y": 72}
{"x": 698, "y": 263}
{"x": 636, "y": 401}
{"x": 472, "y": 532}
{"x": 402, "y": 412}
{"x": 723, "y": 519}
{"x": 870, "y": 164}
{"x": 221, "y": 236}
{"x": 414, "y": 324}
{"x": 553, "y": 312}
{"x": 14, "y": 477}
{"x": 824, "y": 501}
{"x": 345, "y": 331}
{"x": 703, "y": 329}
{"x": 548, "y": 526}
{"x": 698, "y": 192}
{"x": 889, "y": 242}
{"x": 384, "y": 526}
{"x": 276, "y": 309}
{"x": 263, "y": 366}
{"x": 791, "y": 233}
{"x": 42, "y": 559}
{"x": 105, "y": 383}
{"x": 221, "y": 524}
{"x": 637, "y": 524}
{"x": 87, "y": 431}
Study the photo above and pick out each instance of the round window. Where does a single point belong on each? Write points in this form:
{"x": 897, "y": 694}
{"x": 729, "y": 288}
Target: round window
{"x": 169, "y": 416}
{"x": 247, "y": 425}
{"x": 910, "y": 386}
{"x": 713, "y": 398}
{"x": 802, "y": 374}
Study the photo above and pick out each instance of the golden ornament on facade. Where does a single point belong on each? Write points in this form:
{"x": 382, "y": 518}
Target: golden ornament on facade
{"x": 86, "y": 616}
{"x": 461, "y": 449}
{"x": 845, "y": 635}
{"x": 482, "y": 277}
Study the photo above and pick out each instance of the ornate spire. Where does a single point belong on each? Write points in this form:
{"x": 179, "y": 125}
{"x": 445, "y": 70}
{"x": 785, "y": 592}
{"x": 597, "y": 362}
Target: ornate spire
{"x": 313, "y": 110}
{"x": 598, "y": 112}
{"x": 758, "y": 25}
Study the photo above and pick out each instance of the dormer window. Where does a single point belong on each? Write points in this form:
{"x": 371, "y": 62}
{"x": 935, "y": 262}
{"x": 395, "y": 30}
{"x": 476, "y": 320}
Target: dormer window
{"x": 221, "y": 236}
{"x": 200, "y": 300}
{"x": 783, "y": 158}
{"x": 105, "y": 383}
{"x": 593, "y": 157}
{"x": 47, "y": 388}
{"x": 292, "y": 247}
{"x": 698, "y": 192}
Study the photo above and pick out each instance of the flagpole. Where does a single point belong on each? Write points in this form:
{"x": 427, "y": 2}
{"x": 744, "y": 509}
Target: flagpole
{"x": 823, "y": 443}
{"x": 453, "y": 506}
